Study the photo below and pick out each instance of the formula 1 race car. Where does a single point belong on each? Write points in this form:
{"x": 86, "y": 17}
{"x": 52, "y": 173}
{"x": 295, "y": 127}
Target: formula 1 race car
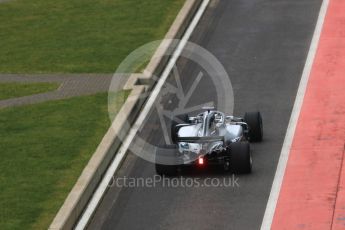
{"x": 211, "y": 137}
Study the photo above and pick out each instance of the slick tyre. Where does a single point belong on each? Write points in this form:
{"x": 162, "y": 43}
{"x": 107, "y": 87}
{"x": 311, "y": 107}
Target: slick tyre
{"x": 241, "y": 160}
{"x": 254, "y": 121}
{"x": 184, "y": 118}
{"x": 166, "y": 161}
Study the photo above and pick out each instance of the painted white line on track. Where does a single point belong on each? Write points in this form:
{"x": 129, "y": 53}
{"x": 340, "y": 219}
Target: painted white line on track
{"x": 97, "y": 196}
{"x": 284, "y": 155}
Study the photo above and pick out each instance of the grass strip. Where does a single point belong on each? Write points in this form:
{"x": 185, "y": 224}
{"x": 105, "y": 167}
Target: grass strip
{"x": 43, "y": 150}
{"x": 14, "y": 89}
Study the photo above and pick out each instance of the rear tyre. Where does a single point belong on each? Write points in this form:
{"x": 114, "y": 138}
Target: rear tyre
{"x": 254, "y": 121}
{"x": 166, "y": 161}
{"x": 241, "y": 160}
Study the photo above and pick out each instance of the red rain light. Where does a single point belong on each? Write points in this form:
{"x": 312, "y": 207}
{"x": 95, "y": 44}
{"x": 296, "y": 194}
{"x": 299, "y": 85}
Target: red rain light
{"x": 201, "y": 161}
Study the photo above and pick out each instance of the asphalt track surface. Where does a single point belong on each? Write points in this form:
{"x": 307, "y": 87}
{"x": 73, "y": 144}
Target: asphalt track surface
{"x": 263, "y": 45}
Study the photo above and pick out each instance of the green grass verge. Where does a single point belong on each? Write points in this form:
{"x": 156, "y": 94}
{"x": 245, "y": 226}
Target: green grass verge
{"x": 74, "y": 36}
{"x": 44, "y": 148}
{"x": 10, "y": 90}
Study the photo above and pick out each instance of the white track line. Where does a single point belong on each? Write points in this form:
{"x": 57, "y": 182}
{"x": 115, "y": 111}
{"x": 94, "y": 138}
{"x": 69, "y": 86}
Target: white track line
{"x": 150, "y": 102}
{"x": 284, "y": 155}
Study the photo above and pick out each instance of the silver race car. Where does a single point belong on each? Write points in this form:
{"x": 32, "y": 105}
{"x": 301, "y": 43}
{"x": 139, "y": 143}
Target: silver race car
{"x": 211, "y": 137}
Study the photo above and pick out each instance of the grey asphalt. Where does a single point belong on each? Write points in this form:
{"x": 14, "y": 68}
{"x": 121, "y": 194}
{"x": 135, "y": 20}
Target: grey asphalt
{"x": 263, "y": 45}
{"x": 71, "y": 85}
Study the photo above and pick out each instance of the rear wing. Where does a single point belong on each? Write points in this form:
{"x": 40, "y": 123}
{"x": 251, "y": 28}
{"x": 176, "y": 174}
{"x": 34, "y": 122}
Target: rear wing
{"x": 200, "y": 139}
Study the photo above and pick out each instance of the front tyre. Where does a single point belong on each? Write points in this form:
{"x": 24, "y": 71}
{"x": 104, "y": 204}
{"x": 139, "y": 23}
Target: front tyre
{"x": 184, "y": 118}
